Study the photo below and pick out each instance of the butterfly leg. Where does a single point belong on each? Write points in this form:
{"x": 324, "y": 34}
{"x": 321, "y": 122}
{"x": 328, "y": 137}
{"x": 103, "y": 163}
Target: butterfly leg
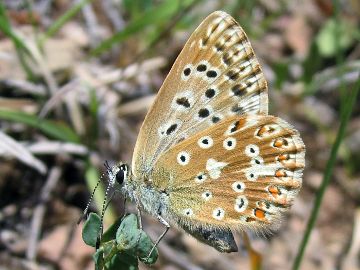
{"x": 167, "y": 227}
{"x": 139, "y": 221}
{"x": 139, "y": 217}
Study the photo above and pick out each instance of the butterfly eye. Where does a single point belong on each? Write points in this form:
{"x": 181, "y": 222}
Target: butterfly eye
{"x": 120, "y": 176}
{"x": 123, "y": 167}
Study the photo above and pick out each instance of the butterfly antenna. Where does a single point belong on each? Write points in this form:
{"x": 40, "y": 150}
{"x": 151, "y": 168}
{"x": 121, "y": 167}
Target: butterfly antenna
{"x": 90, "y": 200}
{"x": 104, "y": 204}
{"x": 107, "y": 166}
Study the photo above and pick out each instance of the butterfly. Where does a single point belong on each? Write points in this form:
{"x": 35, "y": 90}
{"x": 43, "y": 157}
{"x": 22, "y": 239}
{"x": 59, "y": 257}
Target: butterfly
{"x": 209, "y": 158}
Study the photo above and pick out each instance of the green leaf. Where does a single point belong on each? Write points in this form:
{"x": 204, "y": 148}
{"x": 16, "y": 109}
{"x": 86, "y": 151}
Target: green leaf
{"x": 135, "y": 8}
{"x": 282, "y": 73}
{"x": 122, "y": 261}
{"x": 99, "y": 259}
{"x": 312, "y": 63}
{"x": 335, "y": 35}
{"x": 144, "y": 248}
{"x": 6, "y": 27}
{"x": 135, "y": 241}
{"x": 91, "y": 229}
{"x": 110, "y": 233}
{"x": 122, "y": 244}
{"x": 56, "y": 130}
{"x": 128, "y": 234}
{"x": 92, "y": 137}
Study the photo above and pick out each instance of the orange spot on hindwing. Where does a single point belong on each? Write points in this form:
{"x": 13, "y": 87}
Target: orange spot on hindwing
{"x": 280, "y": 173}
{"x": 274, "y": 191}
{"x": 259, "y": 213}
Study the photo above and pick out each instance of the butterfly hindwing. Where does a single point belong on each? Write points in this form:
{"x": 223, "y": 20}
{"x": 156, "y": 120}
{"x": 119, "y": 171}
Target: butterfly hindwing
{"x": 215, "y": 76}
{"x": 242, "y": 172}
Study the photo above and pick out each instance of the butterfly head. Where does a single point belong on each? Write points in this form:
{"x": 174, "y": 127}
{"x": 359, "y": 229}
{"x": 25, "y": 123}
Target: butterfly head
{"x": 121, "y": 173}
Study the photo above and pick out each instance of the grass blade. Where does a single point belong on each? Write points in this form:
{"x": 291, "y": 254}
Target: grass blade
{"x": 152, "y": 16}
{"x": 55, "y": 130}
{"x": 21, "y": 48}
{"x": 5, "y": 26}
{"x": 56, "y": 26}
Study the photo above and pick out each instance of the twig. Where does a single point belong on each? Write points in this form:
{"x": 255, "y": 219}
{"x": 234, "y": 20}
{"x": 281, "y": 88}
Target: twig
{"x": 57, "y": 97}
{"x": 92, "y": 24}
{"x": 55, "y": 147}
{"x": 8, "y": 146}
{"x": 43, "y": 67}
{"x": 25, "y": 86}
{"x": 39, "y": 212}
{"x": 135, "y": 107}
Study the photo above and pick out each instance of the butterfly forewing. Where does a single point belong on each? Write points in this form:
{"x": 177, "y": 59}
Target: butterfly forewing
{"x": 215, "y": 77}
{"x": 241, "y": 172}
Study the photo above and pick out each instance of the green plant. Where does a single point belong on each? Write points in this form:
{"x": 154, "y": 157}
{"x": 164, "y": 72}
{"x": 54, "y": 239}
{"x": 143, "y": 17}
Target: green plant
{"x": 121, "y": 246}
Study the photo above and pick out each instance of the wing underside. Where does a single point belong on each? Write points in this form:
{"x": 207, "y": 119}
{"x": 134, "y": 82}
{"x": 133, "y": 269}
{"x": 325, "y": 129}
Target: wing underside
{"x": 242, "y": 172}
{"x": 215, "y": 77}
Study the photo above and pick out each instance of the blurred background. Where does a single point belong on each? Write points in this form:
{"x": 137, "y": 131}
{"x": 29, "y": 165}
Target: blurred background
{"x": 76, "y": 80}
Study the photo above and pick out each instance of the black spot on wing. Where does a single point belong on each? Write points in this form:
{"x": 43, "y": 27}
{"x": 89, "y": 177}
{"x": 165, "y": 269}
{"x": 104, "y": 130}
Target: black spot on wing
{"x": 203, "y": 113}
{"x": 171, "y": 129}
{"x": 183, "y": 101}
